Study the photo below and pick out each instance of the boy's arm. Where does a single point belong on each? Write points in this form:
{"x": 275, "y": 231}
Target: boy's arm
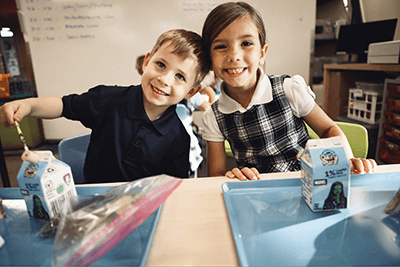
{"x": 48, "y": 107}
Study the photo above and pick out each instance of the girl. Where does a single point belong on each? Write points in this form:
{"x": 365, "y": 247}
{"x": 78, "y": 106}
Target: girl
{"x": 261, "y": 116}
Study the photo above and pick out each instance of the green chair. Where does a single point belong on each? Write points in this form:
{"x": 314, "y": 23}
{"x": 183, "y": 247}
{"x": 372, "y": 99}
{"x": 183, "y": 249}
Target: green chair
{"x": 356, "y": 134}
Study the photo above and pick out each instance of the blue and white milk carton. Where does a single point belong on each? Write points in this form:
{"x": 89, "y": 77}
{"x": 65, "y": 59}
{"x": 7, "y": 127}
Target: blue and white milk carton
{"x": 45, "y": 182}
{"x": 325, "y": 174}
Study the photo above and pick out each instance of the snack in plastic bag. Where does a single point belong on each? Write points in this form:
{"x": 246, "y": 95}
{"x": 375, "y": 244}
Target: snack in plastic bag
{"x": 88, "y": 228}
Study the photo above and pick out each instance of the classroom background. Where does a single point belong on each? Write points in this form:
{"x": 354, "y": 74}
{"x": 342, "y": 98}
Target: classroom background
{"x": 62, "y": 47}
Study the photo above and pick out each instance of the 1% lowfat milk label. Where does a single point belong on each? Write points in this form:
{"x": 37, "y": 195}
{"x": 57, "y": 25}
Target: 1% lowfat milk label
{"x": 325, "y": 174}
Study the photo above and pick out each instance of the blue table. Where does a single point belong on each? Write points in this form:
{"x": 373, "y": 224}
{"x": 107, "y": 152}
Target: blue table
{"x": 272, "y": 225}
{"x": 23, "y": 247}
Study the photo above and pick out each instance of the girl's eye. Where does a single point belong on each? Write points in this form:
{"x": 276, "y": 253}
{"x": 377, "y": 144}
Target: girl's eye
{"x": 180, "y": 77}
{"x": 217, "y": 47}
{"x": 247, "y": 43}
{"x": 160, "y": 65}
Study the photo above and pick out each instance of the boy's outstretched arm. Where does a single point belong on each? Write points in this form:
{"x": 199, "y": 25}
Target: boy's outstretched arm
{"x": 48, "y": 107}
{"x": 325, "y": 127}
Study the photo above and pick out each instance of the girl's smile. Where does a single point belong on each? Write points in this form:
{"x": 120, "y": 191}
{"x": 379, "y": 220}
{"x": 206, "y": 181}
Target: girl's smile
{"x": 235, "y": 71}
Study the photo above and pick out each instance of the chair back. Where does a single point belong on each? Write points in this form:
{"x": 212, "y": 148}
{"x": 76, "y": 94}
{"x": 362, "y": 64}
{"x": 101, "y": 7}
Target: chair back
{"x": 356, "y": 134}
{"x": 72, "y": 151}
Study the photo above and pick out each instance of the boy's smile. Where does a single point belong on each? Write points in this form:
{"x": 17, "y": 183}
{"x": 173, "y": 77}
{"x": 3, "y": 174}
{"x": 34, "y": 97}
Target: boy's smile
{"x": 166, "y": 80}
{"x": 236, "y": 54}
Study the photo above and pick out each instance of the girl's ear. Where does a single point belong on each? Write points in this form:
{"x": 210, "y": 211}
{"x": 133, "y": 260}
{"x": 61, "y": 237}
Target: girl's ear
{"x": 193, "y": 91}
{"x": 263, "y": 53}
{"x": 146, "y": 61}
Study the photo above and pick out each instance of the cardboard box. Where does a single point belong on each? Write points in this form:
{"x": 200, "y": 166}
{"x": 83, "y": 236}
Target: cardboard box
{"x": 325, "y": 174}
{"x": 384, "y": 52}
{"x": 45, "y": 185}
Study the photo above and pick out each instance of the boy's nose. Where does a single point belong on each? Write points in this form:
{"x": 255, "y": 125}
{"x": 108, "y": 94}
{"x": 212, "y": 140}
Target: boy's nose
{"x": 165, "y": 78}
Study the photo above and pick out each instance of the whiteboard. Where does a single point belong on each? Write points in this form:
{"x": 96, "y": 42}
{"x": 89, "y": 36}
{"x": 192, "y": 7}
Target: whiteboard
{"x": 76, "y": 45}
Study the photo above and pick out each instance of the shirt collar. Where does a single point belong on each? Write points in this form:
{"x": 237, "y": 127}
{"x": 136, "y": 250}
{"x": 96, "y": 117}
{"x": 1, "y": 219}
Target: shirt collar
{"x": 262, "y": 95}
{"x": 136, "y": 111}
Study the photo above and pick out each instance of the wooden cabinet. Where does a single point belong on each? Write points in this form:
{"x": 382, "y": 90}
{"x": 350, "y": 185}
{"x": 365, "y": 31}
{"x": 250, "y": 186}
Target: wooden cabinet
{"x": 339, "y": 78}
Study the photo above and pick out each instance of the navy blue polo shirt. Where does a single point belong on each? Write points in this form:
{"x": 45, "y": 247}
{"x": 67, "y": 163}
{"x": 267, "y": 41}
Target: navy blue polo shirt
{"x": 125, "y": 145}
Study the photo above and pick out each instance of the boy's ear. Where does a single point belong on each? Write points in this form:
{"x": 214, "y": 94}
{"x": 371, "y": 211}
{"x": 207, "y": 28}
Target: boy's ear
{"x": 146, "y": 61}
{"x": 193, "y": 91}
{"x": 263, "y": 53}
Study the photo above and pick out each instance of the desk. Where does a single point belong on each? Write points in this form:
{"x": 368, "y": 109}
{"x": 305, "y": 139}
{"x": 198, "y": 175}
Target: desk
{"x": 338, "y": 78}
{"x": 193, "y": 227}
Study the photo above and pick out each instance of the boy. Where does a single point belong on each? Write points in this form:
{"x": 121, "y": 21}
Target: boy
{"x": 136, "y": 132}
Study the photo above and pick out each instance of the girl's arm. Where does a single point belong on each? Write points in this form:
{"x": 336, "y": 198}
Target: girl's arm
{"x": 216, "y": 158}
{"x": 325, "y": 127}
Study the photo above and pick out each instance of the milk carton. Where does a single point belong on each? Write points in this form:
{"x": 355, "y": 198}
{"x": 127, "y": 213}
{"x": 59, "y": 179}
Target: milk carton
{"x": 325, "y": 174}
{"x": 45, "y": 182}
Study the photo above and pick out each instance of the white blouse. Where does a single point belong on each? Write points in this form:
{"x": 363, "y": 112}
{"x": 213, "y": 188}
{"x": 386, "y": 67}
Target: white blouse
{"x": 299, "y": 95}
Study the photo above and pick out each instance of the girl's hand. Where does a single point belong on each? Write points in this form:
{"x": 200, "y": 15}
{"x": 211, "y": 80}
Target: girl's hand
{"x": 244, "y": 174}
{"x": 360, "y": 166}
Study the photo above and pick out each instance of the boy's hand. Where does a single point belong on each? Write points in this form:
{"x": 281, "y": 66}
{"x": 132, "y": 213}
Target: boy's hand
{"x": 360, "y": 166}
{"x": 12, "y": 111}
{"x": 244, "y": 174}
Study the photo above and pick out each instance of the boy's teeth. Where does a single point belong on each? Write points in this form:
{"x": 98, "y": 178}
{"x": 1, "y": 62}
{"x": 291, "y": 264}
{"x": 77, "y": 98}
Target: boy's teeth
{"x": 158, "y": 91}
{"x": 234, "y": 71}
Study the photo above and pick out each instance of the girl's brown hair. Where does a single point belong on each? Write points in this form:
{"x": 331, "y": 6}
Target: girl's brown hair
{"x": 223, "y": 15}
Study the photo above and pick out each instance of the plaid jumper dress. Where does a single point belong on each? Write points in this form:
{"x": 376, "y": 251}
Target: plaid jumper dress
{"x": 268, "y": 136}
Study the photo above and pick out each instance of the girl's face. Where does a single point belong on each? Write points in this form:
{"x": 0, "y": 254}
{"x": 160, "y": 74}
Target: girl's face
{"x": 236, "y": 54}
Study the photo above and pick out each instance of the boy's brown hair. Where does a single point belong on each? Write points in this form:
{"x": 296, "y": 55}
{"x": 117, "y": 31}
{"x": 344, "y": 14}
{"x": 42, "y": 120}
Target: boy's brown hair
{"x": 186, "y": 44}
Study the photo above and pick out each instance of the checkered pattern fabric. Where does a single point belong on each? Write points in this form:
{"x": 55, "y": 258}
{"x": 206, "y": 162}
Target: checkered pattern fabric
{"x": 267, "y": 136}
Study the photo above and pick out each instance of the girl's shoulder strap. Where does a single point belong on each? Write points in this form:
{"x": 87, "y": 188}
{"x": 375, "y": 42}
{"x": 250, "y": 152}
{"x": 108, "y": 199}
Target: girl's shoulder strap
{"x": 278, "y": 77}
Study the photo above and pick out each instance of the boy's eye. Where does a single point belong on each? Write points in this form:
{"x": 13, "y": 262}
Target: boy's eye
{"x": 161, "y": 65}
{"x": 180, "y": 77}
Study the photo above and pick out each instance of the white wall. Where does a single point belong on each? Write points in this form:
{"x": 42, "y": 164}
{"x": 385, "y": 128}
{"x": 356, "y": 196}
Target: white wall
{"x": 373, "y": 10}
{"x": 78, "y": 44}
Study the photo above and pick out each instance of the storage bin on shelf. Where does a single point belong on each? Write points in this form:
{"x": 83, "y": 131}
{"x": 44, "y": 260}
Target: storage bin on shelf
{"x": 365, "y": 105}
{"x": 389, "y": 152}
{"x": 391, "y": 131}
{"x": 392, "y": 117}
{"x": 393, "y": 104}
{"x": 394, "y": 90}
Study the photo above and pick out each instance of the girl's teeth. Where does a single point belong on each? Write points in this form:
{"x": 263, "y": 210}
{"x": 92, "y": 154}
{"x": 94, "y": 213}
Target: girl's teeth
{"x": 234, "y": 71}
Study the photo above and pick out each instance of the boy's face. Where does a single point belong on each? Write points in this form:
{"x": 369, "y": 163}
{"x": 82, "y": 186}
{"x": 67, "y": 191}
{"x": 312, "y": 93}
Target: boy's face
{"x": 168, "y": 78}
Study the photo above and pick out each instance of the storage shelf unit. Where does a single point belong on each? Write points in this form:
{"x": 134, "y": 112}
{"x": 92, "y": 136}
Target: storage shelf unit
{"x": 388, "y": 147}
{"x": 339, "y": 78}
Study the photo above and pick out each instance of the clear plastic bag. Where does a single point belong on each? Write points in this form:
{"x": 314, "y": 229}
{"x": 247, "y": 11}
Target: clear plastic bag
{"x": 91, "y": 226}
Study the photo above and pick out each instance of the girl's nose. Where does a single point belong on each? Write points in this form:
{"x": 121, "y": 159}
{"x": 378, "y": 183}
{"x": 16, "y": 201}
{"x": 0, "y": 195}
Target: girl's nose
{"x": 234, "y": 55}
